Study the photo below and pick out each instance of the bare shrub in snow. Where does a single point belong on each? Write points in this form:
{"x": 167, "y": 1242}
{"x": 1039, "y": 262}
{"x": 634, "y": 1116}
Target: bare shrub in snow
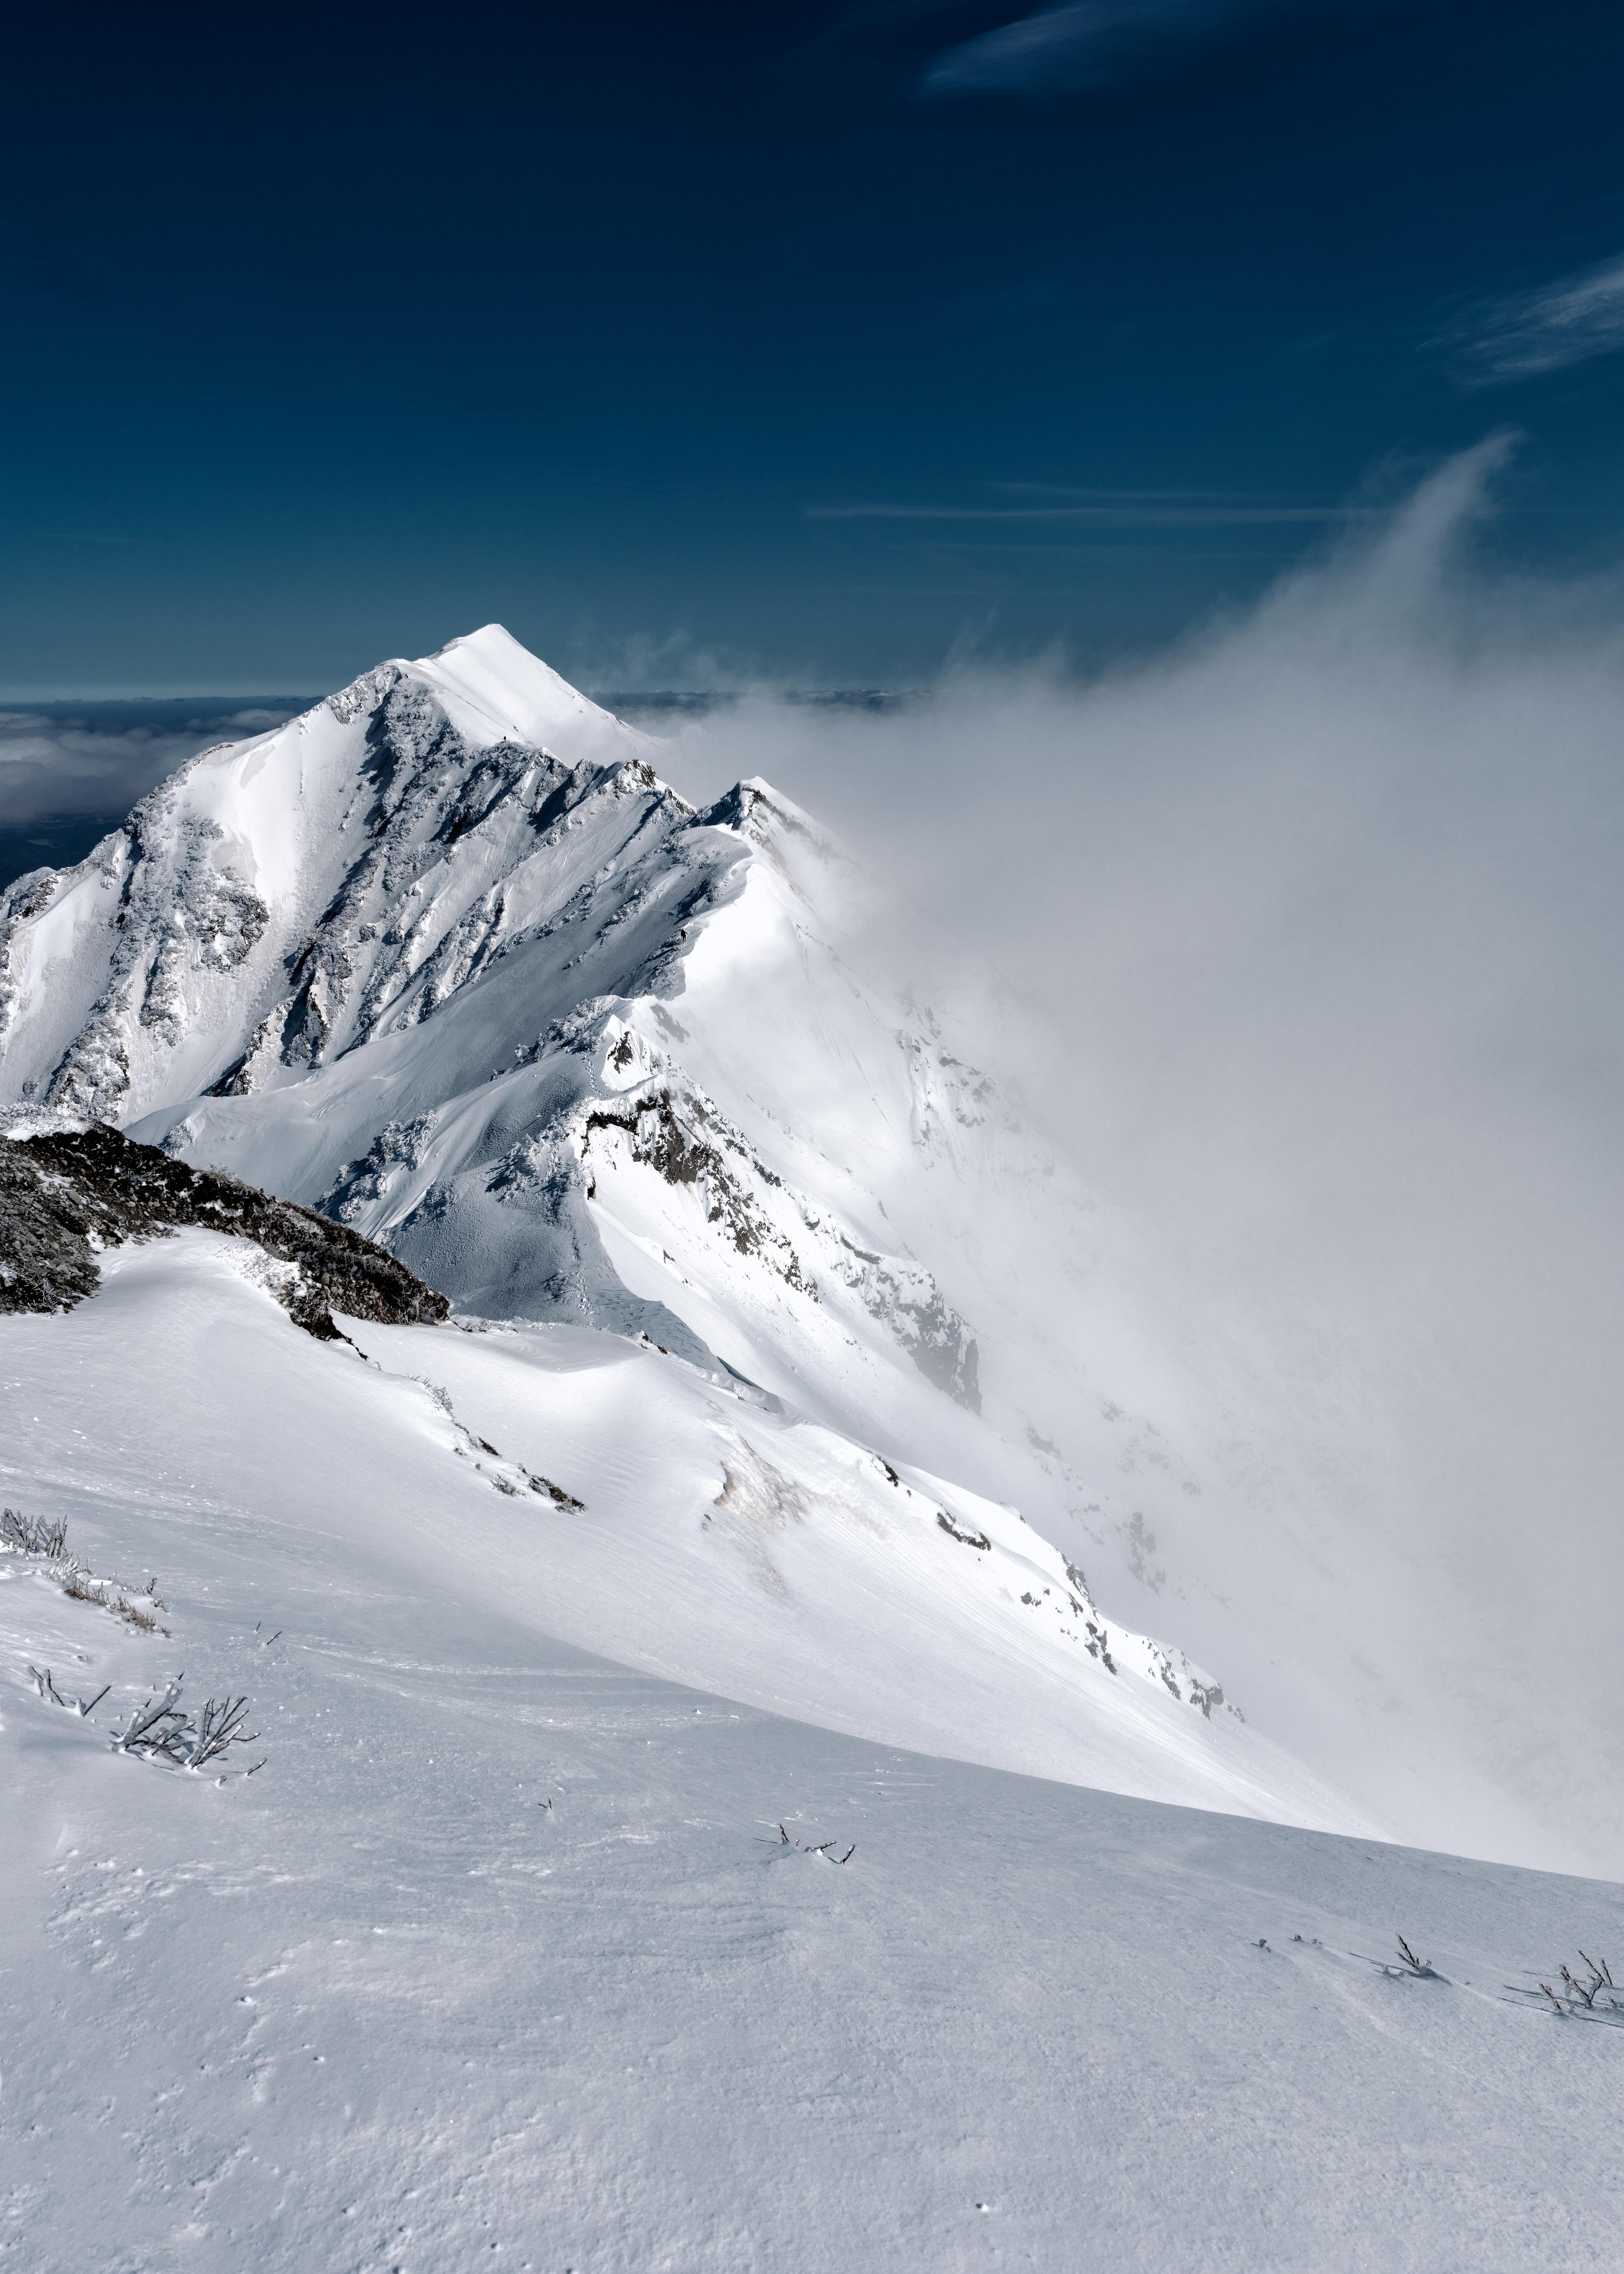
{"x": 156, "y": 1730}
{"x": 1586, "y": 1994}
{"x": 31, "y": 1535}
{"x": 162, "y": 1730}
{"x": 115, "y": 1595}
{"x": 218, "y": 1726}
{"x": 1593, "y": 1997}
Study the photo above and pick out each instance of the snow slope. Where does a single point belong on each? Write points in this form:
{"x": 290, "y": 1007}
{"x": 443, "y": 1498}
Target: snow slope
{"x": 447, "y": 958}
{"x": 694, "y": 1532}
{"x": 414, "y": 958}
{"x": 501, "y": 1955}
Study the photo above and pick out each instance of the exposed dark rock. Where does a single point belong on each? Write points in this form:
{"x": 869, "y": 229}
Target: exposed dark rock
{"x": 58, "y": 1193}
{"x": 662, "y": 1139}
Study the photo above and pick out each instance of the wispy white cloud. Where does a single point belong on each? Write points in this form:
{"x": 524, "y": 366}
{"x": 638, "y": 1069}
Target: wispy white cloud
{"x": 1528, "y": 333}
{"x": 1079, "y": 43}
{"x": 1118, "y": 509}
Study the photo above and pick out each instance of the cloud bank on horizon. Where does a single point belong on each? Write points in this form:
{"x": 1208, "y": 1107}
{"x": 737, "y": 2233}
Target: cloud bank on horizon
{"x": 103, "y": 759}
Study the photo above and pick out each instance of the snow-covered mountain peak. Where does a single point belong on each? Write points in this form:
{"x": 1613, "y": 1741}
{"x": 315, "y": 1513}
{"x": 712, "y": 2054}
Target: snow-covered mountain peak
{"x": 279, "y": 897}
{"x": 492, "y": 689}
{"x": 418, "y": 955}
{"x": 446, "y": 958}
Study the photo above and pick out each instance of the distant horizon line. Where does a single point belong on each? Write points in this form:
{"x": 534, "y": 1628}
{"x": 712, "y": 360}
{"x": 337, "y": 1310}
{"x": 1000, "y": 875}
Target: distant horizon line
{"x": 295, "y": 699}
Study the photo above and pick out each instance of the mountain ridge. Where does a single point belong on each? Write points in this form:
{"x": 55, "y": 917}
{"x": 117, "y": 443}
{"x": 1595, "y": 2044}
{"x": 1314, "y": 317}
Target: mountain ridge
{"x": 227, "y": 970}
{"x": 446, "y": 958}
{"x": 68, "y": 1193}
{"x": 449, "y": 959}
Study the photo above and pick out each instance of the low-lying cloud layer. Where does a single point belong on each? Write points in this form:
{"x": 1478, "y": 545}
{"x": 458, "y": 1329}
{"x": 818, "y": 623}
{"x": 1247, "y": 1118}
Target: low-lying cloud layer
{"x": 1306, "y": 942}
{"x": 68, "y": 774}
{"x": 101, "y": 759}
{"x": 1303, "y": 941}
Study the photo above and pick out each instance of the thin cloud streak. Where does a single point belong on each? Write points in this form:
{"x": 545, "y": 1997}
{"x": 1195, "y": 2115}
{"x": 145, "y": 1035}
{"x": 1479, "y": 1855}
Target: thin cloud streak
{"x": 1080, "y": 493}
{"x": 1082, "y": 43}
{"x": 1531, "y": 333}
{"x": 1088, "y": 43}
{"x": 1125, "y": 515}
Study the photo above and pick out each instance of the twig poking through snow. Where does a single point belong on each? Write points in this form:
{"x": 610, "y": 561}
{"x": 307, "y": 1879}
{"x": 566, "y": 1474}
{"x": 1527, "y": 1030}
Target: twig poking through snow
{"x": 822, "y": 1848}
{"x": 155, "y": 1731}
{"x": 47, "y": 1688}
{"x": 1421, "y": 1968}
{"x": 218, "y": 1726}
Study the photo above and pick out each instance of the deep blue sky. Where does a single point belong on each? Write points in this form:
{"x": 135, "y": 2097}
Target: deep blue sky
{"x": 327, "y": 338}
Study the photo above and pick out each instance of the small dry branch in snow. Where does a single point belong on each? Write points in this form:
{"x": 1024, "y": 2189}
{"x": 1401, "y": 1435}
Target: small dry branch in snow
{"x": 48, "y": 1689}
{"x": 218, "y": 1726}
{"x": 156, "y": 1730}
{"x": 1408, "y": 1967}
{"x": 1586, "y": 1996}
{"x": 824, "y": 1848}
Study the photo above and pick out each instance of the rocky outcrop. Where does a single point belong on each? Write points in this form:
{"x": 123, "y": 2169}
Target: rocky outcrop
{"x": 67, "y": 1194}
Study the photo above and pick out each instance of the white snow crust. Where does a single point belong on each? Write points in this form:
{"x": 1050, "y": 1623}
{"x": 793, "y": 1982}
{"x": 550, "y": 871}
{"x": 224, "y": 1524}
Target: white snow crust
{"x": 502, "y": 1956}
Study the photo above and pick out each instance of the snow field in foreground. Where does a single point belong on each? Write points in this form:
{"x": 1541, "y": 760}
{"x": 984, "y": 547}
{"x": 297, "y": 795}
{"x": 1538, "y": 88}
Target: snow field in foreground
{"x": 380, "y": 2005}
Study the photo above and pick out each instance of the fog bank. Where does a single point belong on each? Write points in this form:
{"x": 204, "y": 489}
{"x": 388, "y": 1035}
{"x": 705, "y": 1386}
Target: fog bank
{"x": 1305, "y": 941}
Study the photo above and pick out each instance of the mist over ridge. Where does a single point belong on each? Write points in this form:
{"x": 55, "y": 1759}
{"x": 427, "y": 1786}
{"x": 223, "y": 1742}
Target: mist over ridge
{"x": 1303, "y": 941}
{"x": 1294, "y": 944}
